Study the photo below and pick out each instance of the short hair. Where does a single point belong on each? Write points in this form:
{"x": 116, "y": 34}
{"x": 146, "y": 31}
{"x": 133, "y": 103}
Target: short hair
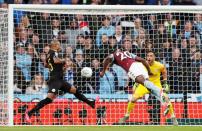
{"x": 54, "y": 43}
{"x": 151, "y": 51}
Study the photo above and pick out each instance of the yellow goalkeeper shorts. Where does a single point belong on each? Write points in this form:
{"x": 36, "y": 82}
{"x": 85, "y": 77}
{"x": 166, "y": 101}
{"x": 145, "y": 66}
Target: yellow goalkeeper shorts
{"x": 140, "y": 91}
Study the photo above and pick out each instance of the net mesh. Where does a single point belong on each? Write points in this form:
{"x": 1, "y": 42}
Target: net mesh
{"x": 86, "y": 39}
{"x": 3, "y": 65}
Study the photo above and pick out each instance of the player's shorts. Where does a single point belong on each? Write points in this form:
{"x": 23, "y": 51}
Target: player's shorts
{"x": 141, "y": 90}
{"x": 58, "y": 86}
{"x": 137, "y": 69}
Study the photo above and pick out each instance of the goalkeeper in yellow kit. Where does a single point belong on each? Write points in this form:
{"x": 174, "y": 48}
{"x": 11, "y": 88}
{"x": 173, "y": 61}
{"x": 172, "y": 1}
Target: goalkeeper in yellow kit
{"x": 139, "y": 90}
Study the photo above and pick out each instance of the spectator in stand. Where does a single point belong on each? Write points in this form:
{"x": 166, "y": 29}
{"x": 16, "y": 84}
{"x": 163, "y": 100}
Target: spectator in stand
{"x": 69, "y": 71}
{"x": 150, "y": 25}
{"x": 41, "y": 67}
{"x": 105, "y": 29}
{"x": 80, "y": 41}
{"x": 171, "y": 26}
{"x": 183, "y": 47}
{"x": 140, "y": 40}
{"x": 4, "y": 5}
{"x": 128, "y": 45}
{"x": 63, "y": 39}
{"x": 90, "y": 50}
{"x": 193, "y": 42}
{"x": 23, "y": 63}
{"x": 139, "y": 2}
{"x": 195, "y": 72}
{"x": 95, "y": 2}
{"x": 41, "y": 24}
{"x": 186, "y": 32}
{"x": 54, "y": 1}
{"x": 137, "y": 28}
{"x": 53, "y": 32}
{"x": 83, "y": 24}
{"x": 122, "y": 79}
{"x": 23, "y": 38}
{"x": 96, "y": 74}
{"x": 36, "y": 2}
{"x": 198, "y": 23}
{"x": 160, "y": 37}
{"x": 113, "y": 44}
{"x": 104, "y": 48}
{"x": 109, "y": 82}
{"x": 69, "y": 52}
{"x": 79, "y": 61}
{"x": 72, "y": 32}
{"x": 119, "y": 35}
{"x": 175, "y": 72}
{"x": 36, "y": 43}
{"x": 165, "y": 2}
{"x": 36, "y": 85}
{"x": 166, "y": 51}
{"x": 46, "y": 48}
{"x": 35, "y": 60}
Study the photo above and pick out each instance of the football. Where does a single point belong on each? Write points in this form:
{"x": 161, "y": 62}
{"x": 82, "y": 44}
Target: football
{"x": 86, "y": 72}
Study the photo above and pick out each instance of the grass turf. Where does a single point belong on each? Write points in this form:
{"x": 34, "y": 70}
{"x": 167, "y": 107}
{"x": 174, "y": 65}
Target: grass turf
{"x": 104, "y": 128}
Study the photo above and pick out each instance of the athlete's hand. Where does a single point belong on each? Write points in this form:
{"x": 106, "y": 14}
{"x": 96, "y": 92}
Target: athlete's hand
{"x": 102, "y": 73}
{"x": 166, "y": 87}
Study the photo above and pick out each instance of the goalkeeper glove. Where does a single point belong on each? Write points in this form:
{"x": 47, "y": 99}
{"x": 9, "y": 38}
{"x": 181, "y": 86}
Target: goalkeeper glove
{"x": 166, "y": 87}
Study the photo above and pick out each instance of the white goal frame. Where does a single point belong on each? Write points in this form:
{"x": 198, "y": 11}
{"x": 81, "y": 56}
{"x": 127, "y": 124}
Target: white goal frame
{"x": 77, "y": 9}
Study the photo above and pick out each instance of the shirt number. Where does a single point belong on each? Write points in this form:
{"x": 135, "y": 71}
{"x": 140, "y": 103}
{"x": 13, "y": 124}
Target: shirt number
{"x": 124, "y": 55}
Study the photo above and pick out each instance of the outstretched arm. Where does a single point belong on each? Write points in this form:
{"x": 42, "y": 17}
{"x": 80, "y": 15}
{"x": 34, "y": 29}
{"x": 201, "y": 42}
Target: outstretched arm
{"x": 107, "y": 61}
{"x": 144, "y": 62}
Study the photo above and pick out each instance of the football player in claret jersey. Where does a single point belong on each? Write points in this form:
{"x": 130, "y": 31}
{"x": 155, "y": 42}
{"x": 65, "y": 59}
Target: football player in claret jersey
{"x": 57, "y": 86}
{"x": 138, "y": 70}
{"x": 139, "y": 90}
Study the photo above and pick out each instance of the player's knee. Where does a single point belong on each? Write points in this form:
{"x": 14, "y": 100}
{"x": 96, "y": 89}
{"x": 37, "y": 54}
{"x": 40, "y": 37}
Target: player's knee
{"x": 134, "y": 99}
{"x": 51, "y": 96}
{"x": 73, "y": 90}
{"x": 140, "y": 79}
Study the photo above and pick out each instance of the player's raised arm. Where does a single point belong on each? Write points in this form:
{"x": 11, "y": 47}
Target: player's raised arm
{"x": 107, "y": 61}
{"x": 144, "y": 62}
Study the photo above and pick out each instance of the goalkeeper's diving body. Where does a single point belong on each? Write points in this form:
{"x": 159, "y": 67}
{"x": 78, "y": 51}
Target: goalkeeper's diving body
{"x": 139, "y": 90}
{"x": 56, "y": 84}
{"x": 138, "y": 70}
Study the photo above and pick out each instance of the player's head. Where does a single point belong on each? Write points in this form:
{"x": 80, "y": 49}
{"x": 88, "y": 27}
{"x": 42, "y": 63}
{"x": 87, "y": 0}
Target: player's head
{"x": 55, "y": 45}
{"x": 150, "y": 57}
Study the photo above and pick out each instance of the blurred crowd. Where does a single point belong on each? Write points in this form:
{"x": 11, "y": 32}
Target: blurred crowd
{"x": 87, "y": 39}
{"x": 4, "y": 3}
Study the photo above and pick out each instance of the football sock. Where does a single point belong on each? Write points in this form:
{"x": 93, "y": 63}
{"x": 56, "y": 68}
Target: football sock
{"x": 40, "y": 105}
{"x": 154, "y": 89}
{"x": 171, "y": 110}
{"x": 129, "y": 108}
{"x": 81, "y": 97}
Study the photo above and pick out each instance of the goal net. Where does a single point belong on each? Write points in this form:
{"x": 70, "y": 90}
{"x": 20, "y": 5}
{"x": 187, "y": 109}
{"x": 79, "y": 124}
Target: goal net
{"x": 3, "y": 67}
{"x": 87, "y": 34}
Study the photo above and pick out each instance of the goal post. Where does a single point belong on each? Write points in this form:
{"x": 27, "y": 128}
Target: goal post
{"x": 174, "y": 33}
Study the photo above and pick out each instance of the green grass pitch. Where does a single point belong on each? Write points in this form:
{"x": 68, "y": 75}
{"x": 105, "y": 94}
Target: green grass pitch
{"x": 104, "y": 128}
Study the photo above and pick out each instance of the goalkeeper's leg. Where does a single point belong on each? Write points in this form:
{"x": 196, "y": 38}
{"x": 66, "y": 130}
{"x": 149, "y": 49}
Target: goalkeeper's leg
{"x": 130, "y": 106}
{"x": 170, "y": 110}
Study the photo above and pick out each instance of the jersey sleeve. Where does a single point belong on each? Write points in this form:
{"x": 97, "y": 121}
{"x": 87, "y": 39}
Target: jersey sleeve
{"x": 161, "y": 66}
{"x": 111, "y": 56}
{"x": 133, "y": 55}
